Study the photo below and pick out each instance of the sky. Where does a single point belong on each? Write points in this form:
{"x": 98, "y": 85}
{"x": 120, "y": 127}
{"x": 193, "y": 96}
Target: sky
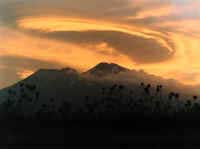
{"x": 161, "y": 37}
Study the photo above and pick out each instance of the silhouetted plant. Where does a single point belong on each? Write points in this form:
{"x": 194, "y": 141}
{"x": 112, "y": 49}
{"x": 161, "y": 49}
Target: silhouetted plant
{"x": 177, "y": 95}
{"x": 149, "y": 86}
{"x": 65, "y": 109}
{"x": 157, "y": 88}
{"x": 188, "y": 105}
{"x": 116, "y": 100}
{"x": 121, "y": 87}
{"x": 171, "y": 95}
{"x": 147, "y": 90}
{"x": 195, "y": 97}
{"x": 160, "y": 91}
{"x": 113, "y": 87}
{"x": 21, "y": 84}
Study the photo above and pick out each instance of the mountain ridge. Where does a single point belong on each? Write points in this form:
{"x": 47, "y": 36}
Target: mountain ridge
{"x": 69, "y": 85}
{"x": 107, "y": 68}
{"x": 104, "y": 70}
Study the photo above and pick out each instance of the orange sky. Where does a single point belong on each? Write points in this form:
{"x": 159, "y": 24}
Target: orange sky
{"x": 161, "y": 37}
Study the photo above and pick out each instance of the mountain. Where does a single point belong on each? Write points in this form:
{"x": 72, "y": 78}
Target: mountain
{"x": 51, "y": 88}
{"x": 104, "y": 69}
{"x": 69, "y": 70}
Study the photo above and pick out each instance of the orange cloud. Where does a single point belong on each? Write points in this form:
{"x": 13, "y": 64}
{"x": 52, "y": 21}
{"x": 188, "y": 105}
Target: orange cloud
{"x": 55, "y": 51}
{"x": 24, "y": 73}
{"x": 53, "y": 24}
{"x": 73, "y": 55}
{"x": 168, "y": 23}
{"x": 154, "y": 12}
{"x": 187, "y": 26}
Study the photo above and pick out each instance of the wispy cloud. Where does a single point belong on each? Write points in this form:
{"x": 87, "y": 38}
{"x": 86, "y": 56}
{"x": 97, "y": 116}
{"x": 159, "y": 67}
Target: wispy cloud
{"x": 13, "y": 68}
{"x": 147, "y": 34}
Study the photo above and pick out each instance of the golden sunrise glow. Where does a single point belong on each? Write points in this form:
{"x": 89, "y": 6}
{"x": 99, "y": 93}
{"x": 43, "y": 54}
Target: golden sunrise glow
{"x": 52, "y": 24}
{"x": 25, "y": 73}
{"x": 72, "y": 57}
{"x": 159, "y": 12}
{"x": 68, "y": 54}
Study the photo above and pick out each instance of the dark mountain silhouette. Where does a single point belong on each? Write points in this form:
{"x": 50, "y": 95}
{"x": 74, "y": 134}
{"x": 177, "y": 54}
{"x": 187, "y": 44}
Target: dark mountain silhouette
{"x": 67, "y": 85}
{"x": 103, "y": 69}
{"x": 68, "y": 70}
{"x": 135, "y": 100}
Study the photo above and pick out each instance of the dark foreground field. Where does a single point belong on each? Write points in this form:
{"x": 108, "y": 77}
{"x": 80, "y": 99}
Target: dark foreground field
{"x": 140, "y": 131}
{"x": 114, "y": 117}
